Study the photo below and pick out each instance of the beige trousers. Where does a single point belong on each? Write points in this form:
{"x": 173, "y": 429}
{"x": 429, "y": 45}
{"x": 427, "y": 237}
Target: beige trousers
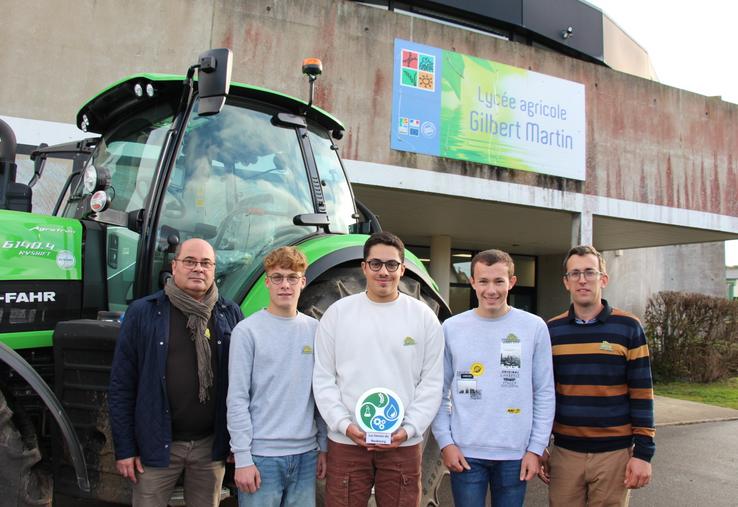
{"x": 203, "y": 477}
{"x": 581, "y": 479}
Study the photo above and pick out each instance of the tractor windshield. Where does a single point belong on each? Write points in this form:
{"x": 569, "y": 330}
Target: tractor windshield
{"x": 238, "y": 181}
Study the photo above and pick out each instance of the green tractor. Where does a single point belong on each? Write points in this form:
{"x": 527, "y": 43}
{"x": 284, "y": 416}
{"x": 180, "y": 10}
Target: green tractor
{"x": 177, "y": 157}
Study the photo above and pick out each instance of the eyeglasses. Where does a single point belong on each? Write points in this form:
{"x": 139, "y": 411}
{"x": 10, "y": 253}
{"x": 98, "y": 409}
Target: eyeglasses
{"x": 589, "y": 275}
{"x": 190, "y": 263}
{"x": 277, "y": 279}
{"x": 376, "y": 265}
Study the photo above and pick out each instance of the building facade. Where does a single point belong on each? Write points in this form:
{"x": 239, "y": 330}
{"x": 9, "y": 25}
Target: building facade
{"x": 656, "y": 169}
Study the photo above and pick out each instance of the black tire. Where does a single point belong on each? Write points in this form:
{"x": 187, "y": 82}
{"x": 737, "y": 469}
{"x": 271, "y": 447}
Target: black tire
{"x": 23, "y": 483}
{"x": 343, "y": 281}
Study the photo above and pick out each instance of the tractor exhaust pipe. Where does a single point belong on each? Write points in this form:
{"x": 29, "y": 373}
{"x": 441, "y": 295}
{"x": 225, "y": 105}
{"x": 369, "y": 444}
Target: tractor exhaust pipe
{"x": 7, "y": 162}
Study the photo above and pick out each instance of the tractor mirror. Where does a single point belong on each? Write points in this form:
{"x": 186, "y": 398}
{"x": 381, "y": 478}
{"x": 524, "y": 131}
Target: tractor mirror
{"x": 214, "y": 79}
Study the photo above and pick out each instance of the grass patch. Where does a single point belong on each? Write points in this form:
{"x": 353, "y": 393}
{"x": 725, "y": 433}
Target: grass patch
{"x": 723, "y": 394}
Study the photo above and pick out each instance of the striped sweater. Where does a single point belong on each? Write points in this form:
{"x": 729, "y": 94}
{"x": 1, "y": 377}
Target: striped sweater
{"x": 604, "y": 391}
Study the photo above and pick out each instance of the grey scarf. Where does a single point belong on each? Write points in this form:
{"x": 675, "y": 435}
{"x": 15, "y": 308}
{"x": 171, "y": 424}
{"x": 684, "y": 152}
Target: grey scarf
{"x": 197, "y": 314}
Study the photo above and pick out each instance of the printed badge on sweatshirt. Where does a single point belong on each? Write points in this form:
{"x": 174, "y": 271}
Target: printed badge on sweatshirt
{"x": 511, "y": 354}
{"x": 466, "y": 385}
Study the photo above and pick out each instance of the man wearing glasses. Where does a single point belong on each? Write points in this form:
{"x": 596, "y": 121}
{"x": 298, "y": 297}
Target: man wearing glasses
{"x": 604, "y": 425}
{"x": 377, "y": 339}
{"x": 168, "y": 384}
{"x": 277, "y": 440}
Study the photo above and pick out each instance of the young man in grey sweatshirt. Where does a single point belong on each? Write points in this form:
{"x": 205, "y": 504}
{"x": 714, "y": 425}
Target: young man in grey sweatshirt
{"x": 498, "y": 392}
{"x": 277, "y": 438}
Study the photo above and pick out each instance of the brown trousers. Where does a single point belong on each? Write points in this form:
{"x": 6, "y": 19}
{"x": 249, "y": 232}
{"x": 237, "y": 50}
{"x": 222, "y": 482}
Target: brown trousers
{"x": 203, "y": 477}
{"x": 352, "y": 470}
{"x": 581, "y": 479}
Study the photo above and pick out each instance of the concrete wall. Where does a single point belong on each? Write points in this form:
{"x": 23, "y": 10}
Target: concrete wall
{"x": 552, "y": 296}
{"x": 638, "y": 273}
{"x": 646, "y": 142}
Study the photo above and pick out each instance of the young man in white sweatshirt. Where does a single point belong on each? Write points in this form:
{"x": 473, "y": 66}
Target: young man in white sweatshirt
{"x": 498, "y": 392}
{"x": 275, "y": 431}
{"x": 378, "y": 338}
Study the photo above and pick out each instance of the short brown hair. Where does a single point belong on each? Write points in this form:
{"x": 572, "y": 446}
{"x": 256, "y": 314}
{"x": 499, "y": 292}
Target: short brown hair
{"x": 493, "y": 256}
{"x": 384, "y": 238}
{"x": 586, "y": 250}
{"x": 286, "y": 257}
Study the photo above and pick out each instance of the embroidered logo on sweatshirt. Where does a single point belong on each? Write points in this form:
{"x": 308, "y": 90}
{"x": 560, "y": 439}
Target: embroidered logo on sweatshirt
{"x": 605, "y": 345}
{"x": 513, "y": 410}
{"x": 408, "y": 341}
{"x": 307, "y": 349}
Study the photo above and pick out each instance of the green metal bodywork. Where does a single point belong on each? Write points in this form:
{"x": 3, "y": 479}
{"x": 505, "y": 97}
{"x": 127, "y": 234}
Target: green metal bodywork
{"x": 40, "y": 247}
{"x": 28, "y": 339}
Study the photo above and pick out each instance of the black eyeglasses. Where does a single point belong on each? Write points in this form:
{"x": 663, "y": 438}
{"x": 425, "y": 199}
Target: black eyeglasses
{"x": 376, "y": 265}
{"x": 191, "y": 263}
{"x": 589, "y": 274}
{"x": 277, "y": 279}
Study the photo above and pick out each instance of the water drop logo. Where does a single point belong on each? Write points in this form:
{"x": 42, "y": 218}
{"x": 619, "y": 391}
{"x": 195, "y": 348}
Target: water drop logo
{"x": 380, "y": 410}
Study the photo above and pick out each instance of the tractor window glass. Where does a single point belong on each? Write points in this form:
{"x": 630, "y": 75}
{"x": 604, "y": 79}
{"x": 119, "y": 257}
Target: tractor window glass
{"x": 237, "y": 182}
{"x": 128, "y": 153}
{"x": 338, "y": 198}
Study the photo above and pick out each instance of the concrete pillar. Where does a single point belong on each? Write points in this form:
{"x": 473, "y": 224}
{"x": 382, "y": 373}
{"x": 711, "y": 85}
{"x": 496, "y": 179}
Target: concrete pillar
{"x": 440, "y": 253}
{"x": 581, "y": 229}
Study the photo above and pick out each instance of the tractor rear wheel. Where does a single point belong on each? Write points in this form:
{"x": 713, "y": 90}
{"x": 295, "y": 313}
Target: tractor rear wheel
{"x": 344, "y": 281}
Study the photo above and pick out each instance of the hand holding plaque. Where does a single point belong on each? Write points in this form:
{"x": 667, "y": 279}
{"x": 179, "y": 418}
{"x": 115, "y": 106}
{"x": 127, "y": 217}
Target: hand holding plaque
{"x": 379, "y": 412}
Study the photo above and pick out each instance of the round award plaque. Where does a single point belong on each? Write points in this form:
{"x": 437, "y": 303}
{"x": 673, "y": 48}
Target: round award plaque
{"x": 379, "y": 410}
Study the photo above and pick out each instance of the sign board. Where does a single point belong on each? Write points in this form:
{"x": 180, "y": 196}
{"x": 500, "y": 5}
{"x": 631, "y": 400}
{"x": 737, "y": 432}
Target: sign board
{"x": 447, "y": 104}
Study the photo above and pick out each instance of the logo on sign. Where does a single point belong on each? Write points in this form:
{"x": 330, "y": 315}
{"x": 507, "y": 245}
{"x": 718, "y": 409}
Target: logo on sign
{"x": 418, "y": 70}
{"x": 428, "y": 129}
{"x": 379, "y": 410}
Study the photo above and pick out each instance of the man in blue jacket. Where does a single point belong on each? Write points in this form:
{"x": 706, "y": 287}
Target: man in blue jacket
{"x": 168, "y": 385}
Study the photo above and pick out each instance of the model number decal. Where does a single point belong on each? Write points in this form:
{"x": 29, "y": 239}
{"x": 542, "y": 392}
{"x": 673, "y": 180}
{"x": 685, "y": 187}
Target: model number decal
{"x": 31, "y": 245}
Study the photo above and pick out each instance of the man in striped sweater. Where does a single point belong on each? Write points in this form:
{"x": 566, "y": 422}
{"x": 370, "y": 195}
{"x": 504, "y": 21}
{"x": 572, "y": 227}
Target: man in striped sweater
{"x": 604, "y": 425}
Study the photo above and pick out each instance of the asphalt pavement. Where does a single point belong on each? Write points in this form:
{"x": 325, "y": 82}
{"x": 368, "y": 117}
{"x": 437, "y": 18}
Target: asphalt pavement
{"x": 696, "y": 462}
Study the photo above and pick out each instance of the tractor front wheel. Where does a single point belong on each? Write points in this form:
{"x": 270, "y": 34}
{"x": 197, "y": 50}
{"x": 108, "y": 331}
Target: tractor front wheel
{"x": 23, "y": 483}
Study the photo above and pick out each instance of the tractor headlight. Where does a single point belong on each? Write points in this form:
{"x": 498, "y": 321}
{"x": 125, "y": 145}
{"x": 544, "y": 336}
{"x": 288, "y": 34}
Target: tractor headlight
{"x": 95, "y": 178}
{"x": 89, "y": 179}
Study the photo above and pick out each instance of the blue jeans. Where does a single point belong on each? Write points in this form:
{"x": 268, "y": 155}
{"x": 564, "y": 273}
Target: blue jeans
{"x": 286, "y": 481}
{"x": 469, "y": 488}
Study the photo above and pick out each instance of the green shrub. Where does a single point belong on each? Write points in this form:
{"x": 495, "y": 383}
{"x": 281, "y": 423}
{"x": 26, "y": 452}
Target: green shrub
{"x": 692, "y": 337}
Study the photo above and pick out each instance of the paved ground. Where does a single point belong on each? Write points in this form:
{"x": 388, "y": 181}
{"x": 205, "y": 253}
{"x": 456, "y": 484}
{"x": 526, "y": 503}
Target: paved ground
{"x": 696, "y": 461}
{"x": 695, "y": 465}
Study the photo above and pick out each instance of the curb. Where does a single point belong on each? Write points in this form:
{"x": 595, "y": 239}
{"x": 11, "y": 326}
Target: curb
{"x": 697, "y": 421}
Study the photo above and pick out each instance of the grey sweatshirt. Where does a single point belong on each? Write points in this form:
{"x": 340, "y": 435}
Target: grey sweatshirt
{"x": 271, "y": 411}
{"x": 498, "y": 389}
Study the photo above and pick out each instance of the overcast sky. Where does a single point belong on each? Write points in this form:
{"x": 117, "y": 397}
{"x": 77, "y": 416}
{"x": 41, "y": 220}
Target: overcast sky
{"x": 691, "y": 44}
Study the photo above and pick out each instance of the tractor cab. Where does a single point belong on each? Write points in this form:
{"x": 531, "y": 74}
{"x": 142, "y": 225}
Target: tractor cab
{"x": 259, "y": 173}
